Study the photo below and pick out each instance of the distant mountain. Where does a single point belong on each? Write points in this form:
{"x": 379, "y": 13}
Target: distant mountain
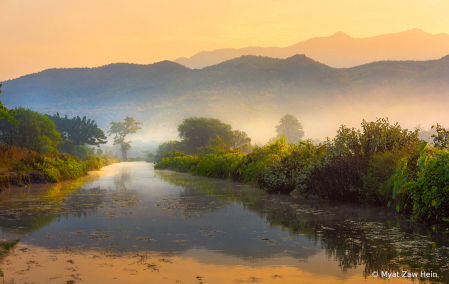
{"x": 250, "y": 92}
{"x": 340, "y": 50}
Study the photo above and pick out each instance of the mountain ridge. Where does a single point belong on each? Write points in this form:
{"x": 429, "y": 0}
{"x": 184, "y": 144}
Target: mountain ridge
{"x": 339, "y": 49}
{"x": 246, "y": 92}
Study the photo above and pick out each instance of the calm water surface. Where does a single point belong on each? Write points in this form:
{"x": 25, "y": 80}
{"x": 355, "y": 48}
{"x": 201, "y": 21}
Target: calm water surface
{"x": 129, "y": 223}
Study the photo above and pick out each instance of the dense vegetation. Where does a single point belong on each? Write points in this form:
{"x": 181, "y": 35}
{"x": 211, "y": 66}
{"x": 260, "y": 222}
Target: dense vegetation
{"x": 34, "y": 132}
{"x": 201, "y": 135}
{"x": 5, "y": 113}
{"x": 30, "y": 141}
{"x": 379, "y": 164}
{"x": 77, "y": 131}
{"x": 55, "y": 167}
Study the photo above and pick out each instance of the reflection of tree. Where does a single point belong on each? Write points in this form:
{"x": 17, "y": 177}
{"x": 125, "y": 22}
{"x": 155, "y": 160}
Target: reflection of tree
{"x": 224, "y": 192}
{"x": 121, "y": 180}
{"x": 353, "y": 236}
{"x": 5, "y": 247}
{"x": 36, "y": 210}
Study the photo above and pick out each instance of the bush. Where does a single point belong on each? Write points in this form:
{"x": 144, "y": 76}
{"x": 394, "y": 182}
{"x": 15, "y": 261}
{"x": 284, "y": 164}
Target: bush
{"x": 10, "y": 153}
{"x": 377, "y": 181}
{"x": 341, "y": 172}
{"x": 291, "y": 169}
{"x": 421, "y": 186}
{"x": 183, "y": 163}
{"x": 61, "y": 167}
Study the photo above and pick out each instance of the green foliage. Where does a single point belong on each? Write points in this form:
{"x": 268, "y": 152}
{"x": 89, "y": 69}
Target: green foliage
{"x": 121, "y": 130}
{"x": 79, "y": 131}
{"x": 7, "y": 114}
{"x": 214, "y": 146}
{"x": 61, "y": 167}
{"x": 241, "y": 141}
{"x": 341, "y": 172}
{"x": 421, "y": 185}
{"x": 377, "y": 181}
{"x": 35, "y": 132}
{"x": 82, "y": 152}
{"x": 382, "y": 163}
{"x": 166, "y": 147}
{"x": 441, "y": 139}
{"x": 291, "y": 128}
{"x": 182, "y": 163}
{"x": 290, "y": 169}
{"x": 196, "y": 132}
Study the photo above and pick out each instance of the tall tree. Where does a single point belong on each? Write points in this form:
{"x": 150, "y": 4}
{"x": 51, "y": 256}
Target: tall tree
{"x": 196, "y": 132}
{"x": 290, "y": 127}
{"x": 34, "y": 132}
{"x": 80, "y": 131}
{"x": 120, "y": 130}
{"x": 7, "y": 114}
{"x": 241, "y": 141}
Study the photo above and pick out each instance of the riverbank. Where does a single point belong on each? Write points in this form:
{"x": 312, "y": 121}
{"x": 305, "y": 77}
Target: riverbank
{"x": 27, "y": 167}
{"x": 413, "y": 179}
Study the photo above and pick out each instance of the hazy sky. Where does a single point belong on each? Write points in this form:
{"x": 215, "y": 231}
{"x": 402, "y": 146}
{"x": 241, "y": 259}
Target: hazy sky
{"x": 36, "y": 35}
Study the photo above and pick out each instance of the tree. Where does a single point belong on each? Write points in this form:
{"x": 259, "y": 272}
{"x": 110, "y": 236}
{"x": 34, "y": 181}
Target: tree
{"x": 196, "y": 132}
{"x": 79, "y": 131}
{"x": 290, "y": 127}
{"x": 241, "y": 141}
{"x": 121, "y": 129}
{"x": 167, "y": 147}
{"x": 34, "y": 132}
{"x": 7, "y": 114}
{"x": 441, "y": 138}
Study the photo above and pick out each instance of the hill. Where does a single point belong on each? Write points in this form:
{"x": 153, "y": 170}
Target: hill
{"x": 340, "y": 50}
{"x": 249, "y": 92}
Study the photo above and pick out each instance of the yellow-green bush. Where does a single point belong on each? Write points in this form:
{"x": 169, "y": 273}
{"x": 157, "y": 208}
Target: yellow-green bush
{"x": 61, "y": 167}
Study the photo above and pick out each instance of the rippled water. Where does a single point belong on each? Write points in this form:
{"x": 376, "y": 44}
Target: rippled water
{"x": 129, "y": 223}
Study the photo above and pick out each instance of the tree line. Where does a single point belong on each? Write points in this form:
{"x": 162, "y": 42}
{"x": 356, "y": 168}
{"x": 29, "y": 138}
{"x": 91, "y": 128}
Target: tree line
{"x": 47, "y": 134}
{"x": 201, "y": 135}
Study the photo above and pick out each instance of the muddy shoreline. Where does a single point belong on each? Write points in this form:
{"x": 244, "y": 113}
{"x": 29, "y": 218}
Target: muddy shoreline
{"x": 13, "y": 179}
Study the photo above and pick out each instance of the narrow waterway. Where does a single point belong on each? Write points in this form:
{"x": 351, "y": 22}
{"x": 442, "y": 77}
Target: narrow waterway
{"x": 129, "y": 223}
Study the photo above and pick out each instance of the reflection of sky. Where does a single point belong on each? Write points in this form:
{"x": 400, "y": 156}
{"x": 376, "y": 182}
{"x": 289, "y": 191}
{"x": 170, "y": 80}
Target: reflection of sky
{"x": 137, "y": 223}
{"x": 129, "y": 208}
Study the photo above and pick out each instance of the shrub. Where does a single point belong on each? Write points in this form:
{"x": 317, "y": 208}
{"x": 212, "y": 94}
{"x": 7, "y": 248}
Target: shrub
{"x": 422, "y": 185}
{"x": 10, "y": 153}
{"x": 291, "y": 169}
{"x": 342, "y": 170}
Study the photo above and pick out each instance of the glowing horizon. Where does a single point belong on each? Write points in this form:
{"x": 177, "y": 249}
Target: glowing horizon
{"x": 38, "y": 35}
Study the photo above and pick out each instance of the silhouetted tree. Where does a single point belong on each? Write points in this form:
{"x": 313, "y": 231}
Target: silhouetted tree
{"x": 120, "y": 130}
{"x": 290, "y": 127}
{"x": 241, "y": 141}
{"x": 80, "y": 131}
{"x": 196, "y": 132}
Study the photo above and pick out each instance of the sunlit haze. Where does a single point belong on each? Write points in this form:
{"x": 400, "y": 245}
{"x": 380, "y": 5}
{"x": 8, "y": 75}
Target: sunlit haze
{"x": 36, "y": 35}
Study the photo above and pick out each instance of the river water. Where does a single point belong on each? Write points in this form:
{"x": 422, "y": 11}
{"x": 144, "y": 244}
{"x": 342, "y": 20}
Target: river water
{"x": 129, "y": 223}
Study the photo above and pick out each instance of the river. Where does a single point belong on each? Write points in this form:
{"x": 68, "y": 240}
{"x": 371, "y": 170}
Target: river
{"x": 129, "y": 223}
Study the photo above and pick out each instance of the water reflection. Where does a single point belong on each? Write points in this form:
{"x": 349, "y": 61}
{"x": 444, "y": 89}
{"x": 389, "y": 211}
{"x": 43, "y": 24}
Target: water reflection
{"x": 188, "y": 222}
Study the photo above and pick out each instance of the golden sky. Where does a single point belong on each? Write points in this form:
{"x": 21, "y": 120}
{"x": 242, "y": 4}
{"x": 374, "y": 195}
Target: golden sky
{"x": 36, "y": 35}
